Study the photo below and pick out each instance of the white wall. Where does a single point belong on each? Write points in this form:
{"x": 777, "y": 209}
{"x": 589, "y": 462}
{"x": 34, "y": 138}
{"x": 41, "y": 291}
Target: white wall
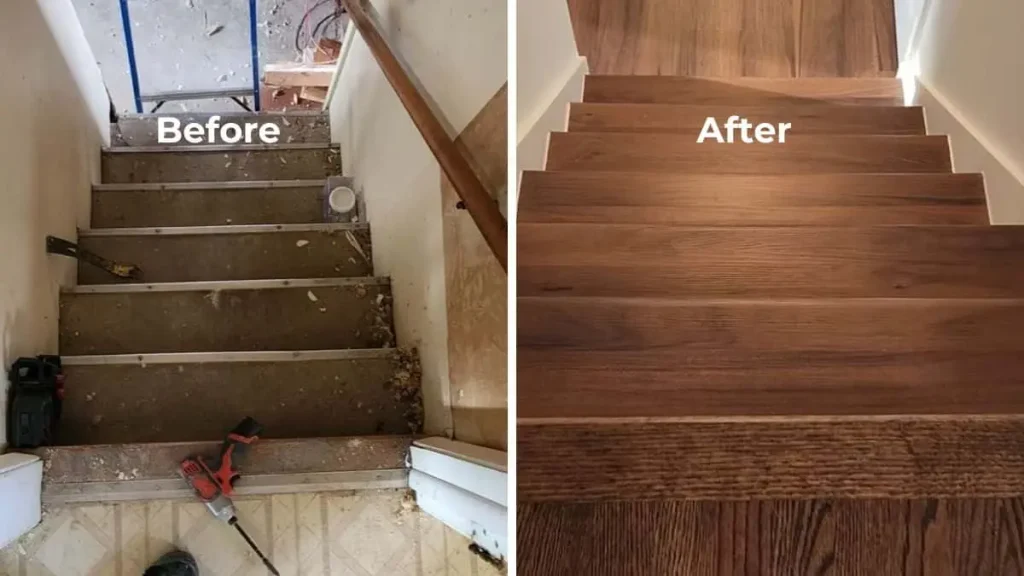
{"x": 54, "y": 114}
{"x": 550, "y": 74}
{"x": 457, "y": 52}
{"x": 908, "y": 15}
{"x": 967, "y": 60}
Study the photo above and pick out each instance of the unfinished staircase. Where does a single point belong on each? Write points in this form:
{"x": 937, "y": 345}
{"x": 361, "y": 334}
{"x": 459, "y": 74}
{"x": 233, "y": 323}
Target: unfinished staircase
{"x": 251, "y": 305}
{"x": 740, "y": 324}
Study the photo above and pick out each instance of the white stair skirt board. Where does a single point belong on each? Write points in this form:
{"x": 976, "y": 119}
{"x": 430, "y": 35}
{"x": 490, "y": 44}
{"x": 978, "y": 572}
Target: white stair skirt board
{"x": 21, "y": 481}
{"x": 464, "y": 486}
{"x": 475, "y": 517}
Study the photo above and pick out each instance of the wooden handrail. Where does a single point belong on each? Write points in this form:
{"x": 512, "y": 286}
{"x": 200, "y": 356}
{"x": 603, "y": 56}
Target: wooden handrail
{"x": 482, "y": 208}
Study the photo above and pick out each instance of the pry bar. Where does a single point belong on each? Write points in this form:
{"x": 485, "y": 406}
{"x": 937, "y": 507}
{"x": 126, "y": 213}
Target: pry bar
{"x": 62, "y": 247}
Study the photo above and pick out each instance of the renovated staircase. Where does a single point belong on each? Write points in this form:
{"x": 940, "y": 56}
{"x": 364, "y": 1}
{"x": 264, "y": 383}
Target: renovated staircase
{"x": 832, "y": 317}
{"x": 250, "y": 305}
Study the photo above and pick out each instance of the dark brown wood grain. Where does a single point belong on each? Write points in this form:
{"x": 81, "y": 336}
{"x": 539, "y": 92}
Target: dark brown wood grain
{"x": 629, "y": 260}
{"x": 587, "y": 460}
{"x": 742, "y": 91}
{"x": 752, "y": 200}
{"x": 587, "y": 357}
{"x": 811, "y": 119}
{"x": 922, "y": 537}
{"x": 776, "y": 38}
{"x": 807, "y": 154}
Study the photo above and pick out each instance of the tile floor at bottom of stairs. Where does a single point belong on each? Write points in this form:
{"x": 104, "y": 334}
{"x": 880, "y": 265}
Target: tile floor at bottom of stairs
{"x": 366, "y": 533}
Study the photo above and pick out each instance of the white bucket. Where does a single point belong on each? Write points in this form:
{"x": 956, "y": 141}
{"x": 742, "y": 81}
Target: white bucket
{"x": 342, "y": 200}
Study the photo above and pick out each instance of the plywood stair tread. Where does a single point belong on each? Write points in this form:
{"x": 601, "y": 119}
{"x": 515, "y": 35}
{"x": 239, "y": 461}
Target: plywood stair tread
{"x": 108, "y": 472}
{"x": 751, "y": 200}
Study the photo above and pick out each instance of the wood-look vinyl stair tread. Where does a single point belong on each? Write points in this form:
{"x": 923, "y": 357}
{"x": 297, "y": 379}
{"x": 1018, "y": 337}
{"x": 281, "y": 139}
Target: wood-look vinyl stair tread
{"x": 688, "y": 261}
{"x": 741, "y": 91}
{"x": 899, "y": 457}
{"x": 751, "y": 200}
{"x": 619, "y": 357}
{"x": 690, "y": 119}
{"x": 622, "y": 151}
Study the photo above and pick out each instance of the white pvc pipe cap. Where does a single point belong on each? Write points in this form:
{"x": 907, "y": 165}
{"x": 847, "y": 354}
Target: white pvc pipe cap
{"x": 342, "y": 200}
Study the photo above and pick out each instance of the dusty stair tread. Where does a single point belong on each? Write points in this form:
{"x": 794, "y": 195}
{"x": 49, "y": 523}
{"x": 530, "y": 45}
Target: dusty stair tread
{"x": 629, "y": 357}
{"x": 231, "y": 252}
{"x": 651, "y": 152}
{"x": 690, "y": 119}
{"x": 215, "y": 163}
{"x": 300, "y": 394}
{"x": 941, "y": 456}
{"x": 207, "y": 203}
{"x": 226, "y": 316}
{"x": 752, "y": 200}
{"x": 139, "y": 471}
{"x": 295, "y": 127}
{"x": 761, "y": 262}
{"x": 742, "y": 91}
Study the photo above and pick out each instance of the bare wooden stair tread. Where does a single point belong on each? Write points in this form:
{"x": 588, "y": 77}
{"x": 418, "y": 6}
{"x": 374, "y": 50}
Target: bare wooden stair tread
{"x": 742, "y": 91}
{"x": 760, "y": 262}
{"x": 139, "y": 471}
{"x": 690, "y": 119}
{"x": 651, "y": 152}
{"x": 232, "y": 252}
{"x": 752, "y": 200}
{"x": 198, "y": 396}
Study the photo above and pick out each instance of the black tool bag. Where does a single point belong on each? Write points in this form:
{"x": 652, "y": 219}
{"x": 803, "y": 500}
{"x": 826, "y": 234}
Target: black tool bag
{"x": 37, "y": 393}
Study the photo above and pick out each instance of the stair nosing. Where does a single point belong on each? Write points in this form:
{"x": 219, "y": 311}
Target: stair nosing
{"x": 213, "y": 285}
{"x": 766, "y": 419}
{"x": 222, "y": 229}
{"x": 253, "y": 484}
{"x": 227, "y": 357}
{"x": 177, "y": 148}
{"x": 820, "y": 105}
{"x": 789, "y": 137}
{"x": 776, "y": 301}
{"x": 210, "y": 185}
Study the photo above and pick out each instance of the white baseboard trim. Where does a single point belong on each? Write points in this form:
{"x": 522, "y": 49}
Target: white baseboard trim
{"x": 21, "y": 480}
{"x": 465, "y": 487}
{"x": 974, "y": 152}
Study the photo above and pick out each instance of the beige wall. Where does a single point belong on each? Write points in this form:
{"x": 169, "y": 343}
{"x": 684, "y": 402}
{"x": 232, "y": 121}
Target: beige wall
{"x": 52, "y": 108}
{"x": 478, "y": 290}
{"x": 457, "y": 52}
{"x": 550, "y": 75}
{"x": 967, "y": 58}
